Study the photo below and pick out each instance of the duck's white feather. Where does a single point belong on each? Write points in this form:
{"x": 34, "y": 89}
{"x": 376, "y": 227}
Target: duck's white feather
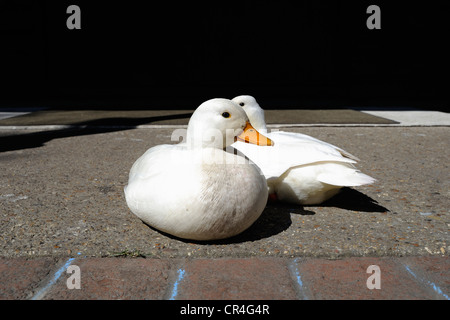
{"x": 300, "y": 168}
{"x": 291, "y": 150}
{"x": 200, "y": 193}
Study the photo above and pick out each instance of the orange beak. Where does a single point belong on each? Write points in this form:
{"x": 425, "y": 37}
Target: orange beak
{"x": 251, "y": 135}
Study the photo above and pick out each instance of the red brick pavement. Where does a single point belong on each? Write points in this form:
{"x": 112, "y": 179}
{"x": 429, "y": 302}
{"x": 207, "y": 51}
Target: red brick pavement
{"x": 225, "y": 279}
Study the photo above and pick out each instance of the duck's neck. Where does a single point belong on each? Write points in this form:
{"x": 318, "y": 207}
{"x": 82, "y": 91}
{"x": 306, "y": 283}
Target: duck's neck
{"x": 257, "y": 120}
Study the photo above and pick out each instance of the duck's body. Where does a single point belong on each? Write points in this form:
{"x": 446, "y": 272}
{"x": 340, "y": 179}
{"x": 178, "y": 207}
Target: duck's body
{"x": 299, "y": 168}
{"x": 197, "y": 191}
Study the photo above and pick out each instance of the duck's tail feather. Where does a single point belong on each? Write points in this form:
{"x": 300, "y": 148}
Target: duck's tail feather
{"x": 348, "y": 177}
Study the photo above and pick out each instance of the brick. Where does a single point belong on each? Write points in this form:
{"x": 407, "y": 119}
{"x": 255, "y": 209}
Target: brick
{"x": 433, "y": 272}
{"x": 346, "y": 279}
{"x": 225, "y": 279}
{"x": 249, "y": 278}
{"x": 19, "y": 277}
{"x": 115, "y": 278}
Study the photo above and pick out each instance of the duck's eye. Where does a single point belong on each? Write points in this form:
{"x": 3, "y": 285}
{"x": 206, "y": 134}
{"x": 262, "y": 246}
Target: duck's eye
{"x": 242, "y": 104}
{"x": 226, "y": 114}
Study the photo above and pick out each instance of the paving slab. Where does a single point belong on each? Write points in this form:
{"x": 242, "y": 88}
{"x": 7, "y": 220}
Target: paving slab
{"x": 114, "y": 279}
{"x": 347, "y": 280}
{"x": 19, "y": 277}
{"x": 431, "y": 272}
{"x": 236, "y": 279}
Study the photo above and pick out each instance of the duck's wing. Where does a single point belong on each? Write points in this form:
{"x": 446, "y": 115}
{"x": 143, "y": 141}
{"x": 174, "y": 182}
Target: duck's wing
{"x": 292, "y": 150}
{"x": 343, "y": 174}
{"x": 154, "y": 161}
{"x": 294, "y": 137}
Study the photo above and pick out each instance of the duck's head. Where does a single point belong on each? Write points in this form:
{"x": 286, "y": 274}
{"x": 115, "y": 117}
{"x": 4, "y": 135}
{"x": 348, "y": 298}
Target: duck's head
{"x": 254, "y": 112}
{"x": 218, "y": 123}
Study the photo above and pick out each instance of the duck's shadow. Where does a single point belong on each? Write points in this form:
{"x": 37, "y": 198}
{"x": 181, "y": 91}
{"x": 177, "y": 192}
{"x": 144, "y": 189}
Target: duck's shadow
{"x": 276, "y": 217}
{"x": 351, "y": 199}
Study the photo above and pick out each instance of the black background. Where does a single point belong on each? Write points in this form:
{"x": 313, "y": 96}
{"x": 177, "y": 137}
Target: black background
{"x": 177, "y": 54}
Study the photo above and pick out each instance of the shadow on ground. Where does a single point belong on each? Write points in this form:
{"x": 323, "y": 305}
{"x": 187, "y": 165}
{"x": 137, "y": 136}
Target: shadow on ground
{"x": 351, "y": 199}
{"x": 38, "y": 139}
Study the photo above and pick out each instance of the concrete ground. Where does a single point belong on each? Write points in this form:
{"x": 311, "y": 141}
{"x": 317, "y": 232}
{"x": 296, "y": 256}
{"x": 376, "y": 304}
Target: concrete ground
{"x": 61, "y": 197}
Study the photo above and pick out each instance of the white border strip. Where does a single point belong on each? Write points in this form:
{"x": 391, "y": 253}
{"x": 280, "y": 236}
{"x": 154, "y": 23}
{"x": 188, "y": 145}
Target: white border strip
{"x": 412, "y": 117}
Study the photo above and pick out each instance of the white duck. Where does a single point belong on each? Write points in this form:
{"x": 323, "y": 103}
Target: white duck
{"x": 299, "y": 168}
{"x": 195, "y": 189}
